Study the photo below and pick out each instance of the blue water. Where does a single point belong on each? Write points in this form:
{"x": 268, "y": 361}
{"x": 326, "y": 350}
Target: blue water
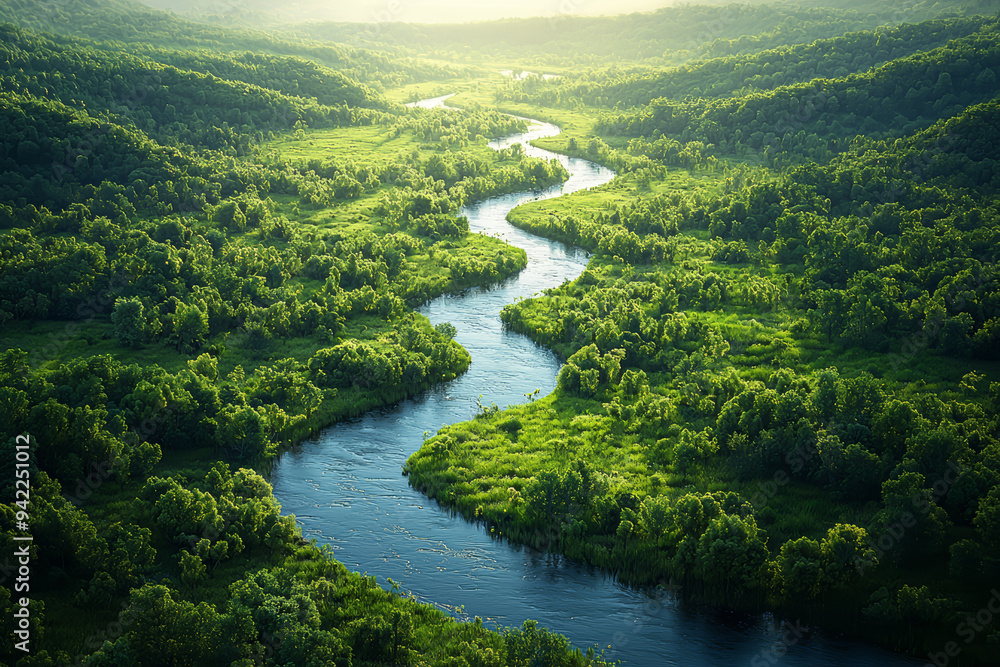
{"x": 346, "y": 489}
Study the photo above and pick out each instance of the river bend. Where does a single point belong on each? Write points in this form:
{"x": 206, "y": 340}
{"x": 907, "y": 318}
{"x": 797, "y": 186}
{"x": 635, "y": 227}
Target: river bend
{"x": 346, "y": 489}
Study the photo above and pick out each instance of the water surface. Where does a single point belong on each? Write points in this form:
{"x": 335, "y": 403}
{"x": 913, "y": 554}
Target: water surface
{"x": 346, "y": 489}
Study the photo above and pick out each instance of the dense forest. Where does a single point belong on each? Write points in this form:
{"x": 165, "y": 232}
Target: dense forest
{"x": 780, "y": 388}
{"x": 780, "y": 384}
{"x": 668, "y": 35}
{"x": 197, "y": 305}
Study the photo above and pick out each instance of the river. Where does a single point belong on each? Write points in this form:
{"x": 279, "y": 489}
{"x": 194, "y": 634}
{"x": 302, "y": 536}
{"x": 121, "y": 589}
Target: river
{"x": 346, "y": 489}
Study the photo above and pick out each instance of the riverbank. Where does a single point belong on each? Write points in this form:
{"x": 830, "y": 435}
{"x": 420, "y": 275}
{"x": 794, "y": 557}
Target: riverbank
{"x": 515, "y": 470}
{"x": 347, "y": 475}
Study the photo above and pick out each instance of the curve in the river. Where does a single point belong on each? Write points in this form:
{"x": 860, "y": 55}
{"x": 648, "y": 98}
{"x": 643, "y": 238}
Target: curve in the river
{"x": 346, "y": 488}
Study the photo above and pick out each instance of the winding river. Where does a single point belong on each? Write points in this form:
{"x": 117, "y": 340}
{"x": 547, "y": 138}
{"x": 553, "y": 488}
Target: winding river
{"x": 346, "y": 488}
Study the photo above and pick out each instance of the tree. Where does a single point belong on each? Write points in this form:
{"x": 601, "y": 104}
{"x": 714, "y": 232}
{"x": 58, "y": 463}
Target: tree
{"x": 911, "y": 524}
{"x": 74, "y": 539}
{"x": 986, "y": 80}
{"x": 300, "y": 645}
{"x": 845, "y": 555}
{"x": 853, "y": 471}
{"x": 182, "y": 511}
{"x": 190, "y": 325}
{"x": 832, "y": 312}
{"x": 230, "y": 216}
{"x": 692, "y": 447}
{"x": 130, "y": 554}
{"x": 206, "y": 366}
{"x": 866, "y": 322}
{"x": 112, "y": 655}
{"x": 893, "y": 425}
{"x": 799, "y": 569}
{"x": 731, "y": 555}
{"x": 192, "y": 568}
{"x": 546, "y": 500}
{"x": 446, "y": 329}
{"x": 130, "y": 322}
{"x": 587, "y": 372}
{"x": 823, "y": 399}
{"x": 987, "y": 521}
{"x": 164, "y": 632}
{"x": 143, "y": 459}
{"x": 241, "y": 432}
{"x": 531, "y": 645}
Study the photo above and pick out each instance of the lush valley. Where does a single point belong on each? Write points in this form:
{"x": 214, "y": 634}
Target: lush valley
{"x": 178, "y": 289}
{"x": 781, "y": 388}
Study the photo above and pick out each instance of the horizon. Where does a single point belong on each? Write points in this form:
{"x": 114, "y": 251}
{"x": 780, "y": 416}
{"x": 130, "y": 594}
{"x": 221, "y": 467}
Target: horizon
{"x": 415, "y": 11}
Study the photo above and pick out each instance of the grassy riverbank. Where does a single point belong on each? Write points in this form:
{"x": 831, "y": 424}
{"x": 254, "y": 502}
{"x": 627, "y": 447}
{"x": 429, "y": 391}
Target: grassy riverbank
{"x": 193, "y": 291}
{"x": 726, "y": 425}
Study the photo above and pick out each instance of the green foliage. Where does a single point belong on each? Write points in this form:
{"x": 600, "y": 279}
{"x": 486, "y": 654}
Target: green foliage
{"x": 670, "y": 34}
{"x": 825, "y": 58}
{"x": 142, "y": 218}
{"x": 733, "y": 290}
{"x": 588, "y": 371}
{"x": 693, "y": 447}
{"x": 886, "y": 101}
{"x": 131, "y": 325}
{"x": 446, "y": 329}
{"x": 223, "y": 232}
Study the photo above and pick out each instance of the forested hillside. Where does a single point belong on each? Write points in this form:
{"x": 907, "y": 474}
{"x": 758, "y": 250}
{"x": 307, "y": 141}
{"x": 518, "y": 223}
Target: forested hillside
{"x": 781, "y": 388}
{"x": 822, "y": 117}
{"x": 672, "y": 34}
{"x": 722, "y": 77}
{"x": 116, "y": 22}
{"x": 177, "y": 303}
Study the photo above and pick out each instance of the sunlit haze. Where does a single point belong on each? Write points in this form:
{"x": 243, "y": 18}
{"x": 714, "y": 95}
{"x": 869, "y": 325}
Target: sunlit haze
{"x": 433, "y": 11}
{"x": 414, "y": 11}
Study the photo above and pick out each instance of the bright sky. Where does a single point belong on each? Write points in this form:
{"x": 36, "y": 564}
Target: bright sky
{"x": 453, "y": 11}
